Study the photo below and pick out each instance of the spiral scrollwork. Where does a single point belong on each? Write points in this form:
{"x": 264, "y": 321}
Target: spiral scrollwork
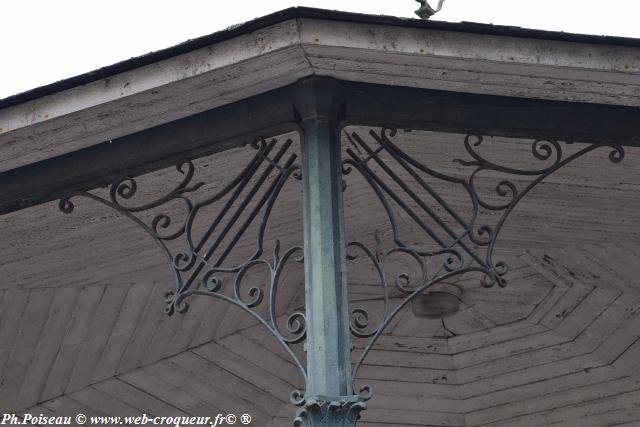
{"x": 183, "y": 261}
{"x": 199, "y": 267}
{"x": 211, "y": 282}
{"x": 616, "y": 155}
{"x": 125, "y": 188}
{"x": 466, "y": 251}
{"x": 360, "y": 322}
{"x": 296, "y": 325}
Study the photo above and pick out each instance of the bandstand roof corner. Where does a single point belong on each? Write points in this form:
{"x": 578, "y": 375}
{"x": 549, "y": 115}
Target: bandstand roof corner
{"x": 81, "y": 324}
{"x": 211, "y": 93}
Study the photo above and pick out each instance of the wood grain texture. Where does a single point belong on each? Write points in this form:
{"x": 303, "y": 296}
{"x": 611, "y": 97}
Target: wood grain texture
{"x": 81, "y": 323}
{"x": 578, "y": 370}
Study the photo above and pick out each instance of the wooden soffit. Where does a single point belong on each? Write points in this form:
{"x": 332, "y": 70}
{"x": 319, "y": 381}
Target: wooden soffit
{"x": 278, "y": 50}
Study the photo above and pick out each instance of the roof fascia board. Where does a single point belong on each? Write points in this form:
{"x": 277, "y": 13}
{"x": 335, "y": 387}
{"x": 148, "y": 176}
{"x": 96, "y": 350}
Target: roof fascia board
{"x": 293, "y": 47}
{"x": 272, "y": 113}
{"x": 463, "y": 62}
{"x": 493, "y": 48}
{"x": 312, "y": 13}
{"x": 151, "y": 95}
{"x": 162, "y": 146}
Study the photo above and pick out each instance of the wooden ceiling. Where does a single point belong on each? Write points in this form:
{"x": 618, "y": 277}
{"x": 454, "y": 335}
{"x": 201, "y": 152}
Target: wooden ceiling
{"x": 81, "y": 322}
{"x": 569, "y": 358}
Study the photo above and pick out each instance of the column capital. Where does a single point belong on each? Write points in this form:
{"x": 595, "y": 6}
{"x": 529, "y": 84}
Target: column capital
{"x": 318, "y": 98}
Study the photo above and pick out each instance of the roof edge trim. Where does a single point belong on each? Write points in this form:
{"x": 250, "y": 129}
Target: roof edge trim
{"x": 305, "y": 12}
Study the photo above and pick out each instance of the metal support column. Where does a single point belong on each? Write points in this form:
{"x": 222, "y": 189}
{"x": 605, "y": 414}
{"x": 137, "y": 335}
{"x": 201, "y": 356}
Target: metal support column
{"x": 329, "y": 399}
{"x": 318, "y": 105}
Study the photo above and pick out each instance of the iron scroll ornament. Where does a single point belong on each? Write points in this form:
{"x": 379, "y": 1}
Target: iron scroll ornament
{"x": 248, "y": 198}
{"x": 469, "y": 250}
{"x": 255, "y": 191}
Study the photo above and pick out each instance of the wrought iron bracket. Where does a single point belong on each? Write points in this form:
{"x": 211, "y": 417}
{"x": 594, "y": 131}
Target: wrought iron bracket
{"x": 467, "y": 248}
{"x": 200, "y": 266}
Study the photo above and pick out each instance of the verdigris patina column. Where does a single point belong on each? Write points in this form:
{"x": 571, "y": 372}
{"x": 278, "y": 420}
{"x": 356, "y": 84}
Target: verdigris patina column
{"x": 329, "y": 399}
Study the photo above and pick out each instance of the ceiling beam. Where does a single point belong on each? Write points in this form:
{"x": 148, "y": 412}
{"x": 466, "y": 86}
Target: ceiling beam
{"x": 271, "y": 113}
{"x": 443, "y": 111}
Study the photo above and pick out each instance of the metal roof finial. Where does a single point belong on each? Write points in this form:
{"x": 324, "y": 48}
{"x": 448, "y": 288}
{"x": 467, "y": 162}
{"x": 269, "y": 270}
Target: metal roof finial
{"x": 426, "y": 11}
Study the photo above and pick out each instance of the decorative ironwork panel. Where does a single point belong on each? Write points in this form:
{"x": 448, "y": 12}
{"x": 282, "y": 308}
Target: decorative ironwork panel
{"x": 454, "y": 208}
{"x": 214, "y": 242}
{"x": 427, "y": 222}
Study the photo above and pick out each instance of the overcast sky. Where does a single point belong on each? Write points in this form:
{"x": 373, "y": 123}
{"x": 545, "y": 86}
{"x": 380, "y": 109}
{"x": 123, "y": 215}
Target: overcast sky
{"x": 42, "y": 41}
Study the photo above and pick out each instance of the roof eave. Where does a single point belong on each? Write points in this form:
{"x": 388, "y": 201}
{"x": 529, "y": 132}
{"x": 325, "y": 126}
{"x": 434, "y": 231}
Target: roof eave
{"x": 306, "y": 12}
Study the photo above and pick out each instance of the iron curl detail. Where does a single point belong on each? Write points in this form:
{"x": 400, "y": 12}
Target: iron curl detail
{"x": 199, "y": 261}
{"x": 459, "y": 242}
{"x": 457, "y": 237}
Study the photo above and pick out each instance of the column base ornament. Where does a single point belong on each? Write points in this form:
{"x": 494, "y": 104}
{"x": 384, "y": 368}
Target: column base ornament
{"x": 323, "y": 411}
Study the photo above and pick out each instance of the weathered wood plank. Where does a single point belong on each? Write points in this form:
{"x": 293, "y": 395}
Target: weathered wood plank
{"x": 408, "y": 360}
{"x": 415, "y": 402}
{"x": 584, "y": 409}
{"x": 76, "y": 334}
{"x": 406, "y": 324}
{"x": 97, "y": 401}
{"x": 629, "y": 416}
{"x": 549, "y": 401}
{"x": 13, "y": 307}
{"x": 544, "y": 355}
{"x": 529, "y": 390}
{"x": 151, "y": 319}
{"x": 38, "y": 409}
{"x": 633, "y": 421}
{"x": 122, "y": 331}
{"x": 188, "y": 327}
{"x": 566, "y": 305}
{"x": 530, "y": 375}
{"x": 167, "y": 392}
{"x": 261, "y": 348}
{"x": 67, "y": 406}
{"x": 137, "y": 398}
{"x": 587, "y": 312}
{"x": 629, "y": 361}
{"x": 409, "y": 344}
{"x": 538, "y": 313}
{"x": 208, "y": 328}
{"x": 539, "y": 261}
{"x": 617, "y": 342}
{"x": 265, "y": 379}
{"x": 166, "y": 329}
{"x": 497, "y": 335}
{"x": 468, "y": 320}
{"x": 506, "y": 349}
{"x": 606, "y": 325}
{"x": 400, "y": 387}
{"x": 415, "y": 418}
{"x": 101, "y": 328}
{"x": 229, "y": 392}
{"x": 32, "y": 324}
{"x": 388, "y": 373}
{"x": 60, "y": 314}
